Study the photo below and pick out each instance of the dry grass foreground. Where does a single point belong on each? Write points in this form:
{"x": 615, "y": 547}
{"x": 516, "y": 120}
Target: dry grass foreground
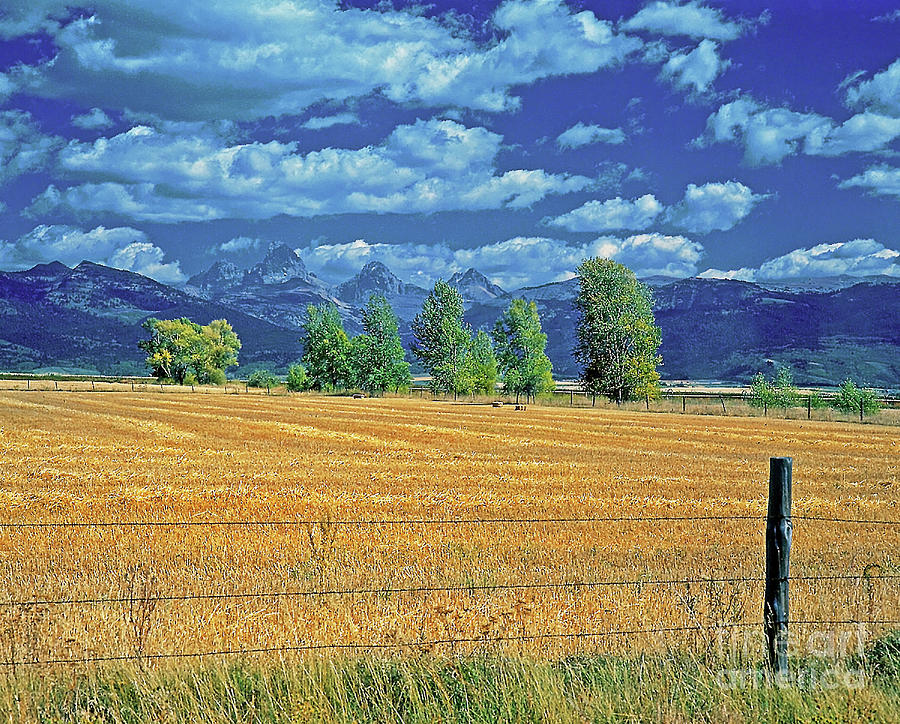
{"x": 122, "y": 457}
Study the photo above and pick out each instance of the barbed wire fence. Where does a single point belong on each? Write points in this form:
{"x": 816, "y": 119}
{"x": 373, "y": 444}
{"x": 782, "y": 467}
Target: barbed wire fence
{"x": 776, "y": 620}
{"x": 703, "y": 402}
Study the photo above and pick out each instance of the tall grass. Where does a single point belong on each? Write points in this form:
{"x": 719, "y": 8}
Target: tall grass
{"x": 473, "y": 689}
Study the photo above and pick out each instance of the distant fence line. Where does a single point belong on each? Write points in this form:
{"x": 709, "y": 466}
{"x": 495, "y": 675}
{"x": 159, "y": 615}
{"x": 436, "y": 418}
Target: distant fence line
{"x": 711, "y": 400}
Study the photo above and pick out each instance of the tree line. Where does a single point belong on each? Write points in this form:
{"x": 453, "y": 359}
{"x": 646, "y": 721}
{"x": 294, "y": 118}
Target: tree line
{"x": 616, "y": 345}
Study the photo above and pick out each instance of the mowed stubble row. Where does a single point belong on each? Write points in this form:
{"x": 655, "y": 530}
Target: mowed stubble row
{"x": 121, "y": 457}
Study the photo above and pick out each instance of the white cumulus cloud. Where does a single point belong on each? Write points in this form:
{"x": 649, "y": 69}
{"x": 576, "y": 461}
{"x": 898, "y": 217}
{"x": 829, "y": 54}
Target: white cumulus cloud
{"x": 770, "y": 134}
{"x": 583, "y": 135}
{"x": 713, "y": 206}
{"x": 94, "y": 119}
{"x": 23, "y": 148}
{"x": 120, "y": 247}
{"x": 883, "y": 180}
{"x": 239, "y": 244}
{"x": 537, "y": 260}
{"x": 860, "y": 257}
{"x": 427, "y": 166}
{"x": 697, "y": 69}
{"x": 245, "y": 60}
{"x": 338, "y": 119}
{"x": 612, "y": 214}
{"x": 881, "y": 93}
{"x": 692, "y": 19}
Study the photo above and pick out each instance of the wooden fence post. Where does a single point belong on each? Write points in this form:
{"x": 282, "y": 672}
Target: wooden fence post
{"x": 92, "y": 385}
{"x": 571, "y": 398}
{"x": 809, "y": 407}
{"x": 28, "y": 384}
{"x": 56, "y": 385}
{"x": 861, "y": 408}
{"x": 683, "y": 403}
{"x": 132, "y": 385}
{"x": 779, "y": 532}
{"x": 765, "y": 409}
{"x": 722, "y": 400}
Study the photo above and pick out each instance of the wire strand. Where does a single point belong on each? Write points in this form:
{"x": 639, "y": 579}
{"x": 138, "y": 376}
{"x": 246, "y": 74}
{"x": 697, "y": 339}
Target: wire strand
{"x": 362, "y": 522}
{"x": 423, "y": 644}
{"x": 371, "y": 646}
{"x": 382, "y": 591}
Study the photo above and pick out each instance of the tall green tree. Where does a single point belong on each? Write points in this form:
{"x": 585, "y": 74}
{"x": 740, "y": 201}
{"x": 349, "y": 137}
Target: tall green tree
{"x": 326, "y": 348}
{"x": 443, "y": 341}
{"x": 519, "y": 344}
{"x": 179, "y": 348}
{"x": 378, "y": 357}
{"x": 480, "y": 367}
{"x": 617, "y": 337}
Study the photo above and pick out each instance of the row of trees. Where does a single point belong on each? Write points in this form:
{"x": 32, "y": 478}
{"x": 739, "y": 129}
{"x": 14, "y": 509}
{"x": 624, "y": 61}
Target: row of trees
{"x": 617, "y": 343}
{"x": 457, "y": 360}
{"x": 780, "y": 391}
{"x": 460, "y": 362}
{"x": 373, "y": 361}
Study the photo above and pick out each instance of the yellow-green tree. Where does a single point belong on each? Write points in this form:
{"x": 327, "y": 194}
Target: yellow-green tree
{"x": 179, "y": 349}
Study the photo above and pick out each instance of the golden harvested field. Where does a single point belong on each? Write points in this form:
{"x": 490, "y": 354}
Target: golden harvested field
{"x": 120, "y": 457}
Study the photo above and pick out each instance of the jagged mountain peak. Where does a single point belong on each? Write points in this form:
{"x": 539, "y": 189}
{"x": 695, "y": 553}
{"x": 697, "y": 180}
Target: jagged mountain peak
{"x": 475, "y": 286}
{"x": 281, "y": 264}
{"x": 373, "y": 278}
{"x": 220, "y": 276}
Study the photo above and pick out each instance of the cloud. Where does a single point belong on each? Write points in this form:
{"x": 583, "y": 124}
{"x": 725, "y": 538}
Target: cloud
{"x": 692, "y": 19}
{"x": 7, "y": 86}
{"x": 697, "y": 69}
{"x": 612, "y": 214}
{"x": 147, "y": 259}
{"x": 882, "y": 180}
{"x": 891, "y": 17}
{"x": 23, "y": 148}
{"x": 584, "y": 135}
{"x": 238, "y": 244}
{"x": 714, "y": 206}
{"x": 881, "y": 93}
{"x": 864, "y": 132}
{"x": 339, "y": 119}
{"x": 119, "y": 247}
{"x": 770, "y": 134}
{"x": 427, "y": 166}
{"x": 860, "y": 257}
{"x": 537, "y": 260}
{"x": 247, "y": 60}
{"x": 94, "y": 119}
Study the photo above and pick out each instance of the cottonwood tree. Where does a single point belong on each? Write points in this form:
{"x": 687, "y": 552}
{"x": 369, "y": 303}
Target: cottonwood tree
{"x": 519, "y": 345}
{"x": 479, "y": 367}
{"x": 182, "y": 350}
{"x": 378, "y": 357}
{"x": 443, "y": 341}
{"x": 221, "y": 345}
{"x": 617, "y": 337}
{"x": 326, "y": 348}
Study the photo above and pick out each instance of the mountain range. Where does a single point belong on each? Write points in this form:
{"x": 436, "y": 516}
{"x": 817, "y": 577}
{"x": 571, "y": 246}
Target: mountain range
{"x": 87, "y": 318}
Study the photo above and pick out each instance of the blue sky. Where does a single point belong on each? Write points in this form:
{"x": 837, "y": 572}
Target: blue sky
{"x": 752, "y": 140}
